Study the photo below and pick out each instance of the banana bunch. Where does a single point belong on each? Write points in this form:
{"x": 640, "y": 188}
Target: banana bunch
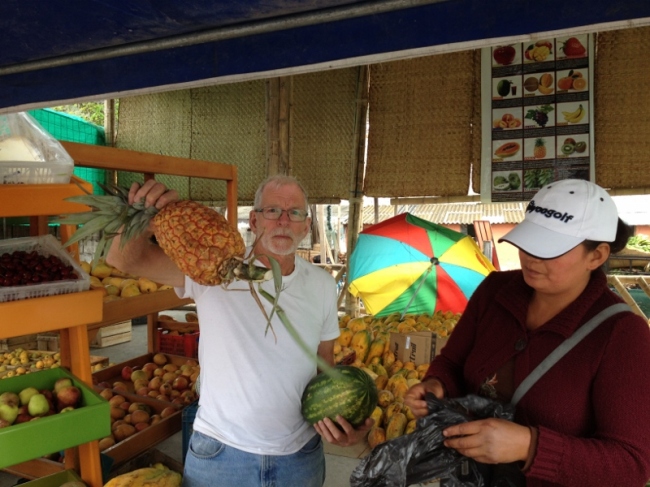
{"x": 575, "y": 116}
{"x": 158, "y": 475}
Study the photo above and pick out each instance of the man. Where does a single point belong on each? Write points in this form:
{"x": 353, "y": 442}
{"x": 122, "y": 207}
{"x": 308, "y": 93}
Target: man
{"x": 248, "y": 429}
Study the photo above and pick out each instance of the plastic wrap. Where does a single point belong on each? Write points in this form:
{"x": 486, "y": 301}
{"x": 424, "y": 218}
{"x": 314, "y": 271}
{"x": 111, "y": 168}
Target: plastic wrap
{"x": 421, "y": 456}
{"x": 29, "y": 154}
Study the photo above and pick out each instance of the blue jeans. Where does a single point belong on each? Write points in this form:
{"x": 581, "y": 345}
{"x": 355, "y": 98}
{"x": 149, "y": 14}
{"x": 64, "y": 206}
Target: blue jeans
{"x": 210, "y": 463}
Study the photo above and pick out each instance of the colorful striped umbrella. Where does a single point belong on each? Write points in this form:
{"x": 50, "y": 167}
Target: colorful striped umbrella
{"x": 406, "y": 264}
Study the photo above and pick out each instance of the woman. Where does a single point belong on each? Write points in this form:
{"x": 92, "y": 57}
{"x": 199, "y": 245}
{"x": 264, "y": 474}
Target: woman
{"x": 585, "y": 421}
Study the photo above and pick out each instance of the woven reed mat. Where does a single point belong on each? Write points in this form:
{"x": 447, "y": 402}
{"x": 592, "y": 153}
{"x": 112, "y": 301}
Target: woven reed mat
{"x": 224, "y": 123}
{"x": 420, "y": 140}
{"x": 322, "y": 127}
{"x": 622, "y": 113}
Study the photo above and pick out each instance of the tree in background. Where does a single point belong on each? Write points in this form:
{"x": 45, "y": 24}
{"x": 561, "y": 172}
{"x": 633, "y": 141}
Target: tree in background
{"x": 92, "y": 111}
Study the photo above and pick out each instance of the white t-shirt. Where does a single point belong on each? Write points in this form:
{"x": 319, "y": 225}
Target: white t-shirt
{"x": 251, "y": 384}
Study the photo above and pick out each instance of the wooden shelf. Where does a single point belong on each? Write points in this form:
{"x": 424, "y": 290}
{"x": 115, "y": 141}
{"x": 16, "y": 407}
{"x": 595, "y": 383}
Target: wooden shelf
{"x": 127, "y": 308}
{"x": 42, "y": 199}
{"x": 50, "y": 313}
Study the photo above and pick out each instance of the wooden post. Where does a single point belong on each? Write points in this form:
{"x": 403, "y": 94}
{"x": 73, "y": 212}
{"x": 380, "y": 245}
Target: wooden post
{"x": 278, "y": 110}
{"x": 356, "y": 181}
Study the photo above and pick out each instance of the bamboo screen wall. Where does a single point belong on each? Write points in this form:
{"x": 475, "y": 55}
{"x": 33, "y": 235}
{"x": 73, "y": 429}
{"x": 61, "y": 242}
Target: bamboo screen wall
{"x": 424, "y": 132}
{"x": 322, "y": 143}
{"x": 622, "y": 109}
{"x": 228, "y": 124}
{"x": 224, "y": 123}
{"x": 422, "y": 112}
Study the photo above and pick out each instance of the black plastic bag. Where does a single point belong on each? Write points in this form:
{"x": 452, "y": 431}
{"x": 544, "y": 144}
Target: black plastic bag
{"x": 421, "y": 456}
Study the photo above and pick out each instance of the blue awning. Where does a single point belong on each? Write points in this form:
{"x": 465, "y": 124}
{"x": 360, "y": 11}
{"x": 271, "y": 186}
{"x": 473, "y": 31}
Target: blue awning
{"x": 63, "y": 50}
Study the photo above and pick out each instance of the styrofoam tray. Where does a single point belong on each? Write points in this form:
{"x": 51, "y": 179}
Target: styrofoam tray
{"x": 45, "y": 245}
{"x": 20, "y": 172}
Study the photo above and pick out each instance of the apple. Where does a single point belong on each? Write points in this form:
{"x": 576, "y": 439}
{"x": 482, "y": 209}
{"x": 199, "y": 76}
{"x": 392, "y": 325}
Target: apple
{"x": 26, "y": 394}
{"x": 180, "y": 383}
{"x": 149, "y": 368}
{"x": 9, "y": 403}
{"x": 504, "y": 55}
{"x": 160, "y": 359}
{"x": 68, "y": 396}
{"x": 140, "y": 383}
{"x": 38, "y": 405}
{"x": 4, "y": 423}
{"x": 139, "y": 406}
{"x": 23, "y": 415}
{"x": 143, "y": 391}
{"x": 165, "y": 388}
{"x": 139, "y": 375}
{"x": 106, "y": 393}
{"x": 168, "y": 411}
{"x": 170, "y": 367}
{"x": 155, "y": 383}
{"x": 47, "y": 393}
{"x": 126, "y": 372}
{"x": 120, "y": 386}
{"x": 66, "y": 409}
{"x": 23, "y": 418}
{"x": 61, "y": 383}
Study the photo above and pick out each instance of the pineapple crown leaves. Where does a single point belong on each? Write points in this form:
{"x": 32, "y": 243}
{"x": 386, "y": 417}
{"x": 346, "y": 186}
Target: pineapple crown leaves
{"x": 108, "y": 214}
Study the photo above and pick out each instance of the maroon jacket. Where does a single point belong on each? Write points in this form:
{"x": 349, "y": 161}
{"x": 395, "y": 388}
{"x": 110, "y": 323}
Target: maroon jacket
{"x": 592, "y": 409}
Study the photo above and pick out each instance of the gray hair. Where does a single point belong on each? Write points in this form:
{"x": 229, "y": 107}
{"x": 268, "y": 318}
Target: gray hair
{"x": 278, "y": 180}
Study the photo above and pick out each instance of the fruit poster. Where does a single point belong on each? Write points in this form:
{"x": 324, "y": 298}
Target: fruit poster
{"x": 536, "y": 115}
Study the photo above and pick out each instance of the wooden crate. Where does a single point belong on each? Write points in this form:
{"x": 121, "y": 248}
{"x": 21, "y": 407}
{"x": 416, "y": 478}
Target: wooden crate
{"x": 48, "y": 342}
{"x": 112, "y": 335}
{"x": 25, "y": 341}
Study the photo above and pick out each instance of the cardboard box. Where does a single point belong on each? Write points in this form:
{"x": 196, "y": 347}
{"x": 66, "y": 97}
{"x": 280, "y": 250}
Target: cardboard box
{"x": 112, "y": 335}
{"x": 50, "y": 434}
{"x": 418, "y": 347}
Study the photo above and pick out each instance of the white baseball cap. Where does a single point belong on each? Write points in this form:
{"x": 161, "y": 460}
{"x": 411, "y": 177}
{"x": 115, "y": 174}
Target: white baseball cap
{"x": 561, "y": 216}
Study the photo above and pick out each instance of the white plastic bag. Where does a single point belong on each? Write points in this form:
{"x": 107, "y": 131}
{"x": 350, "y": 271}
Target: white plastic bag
{"x": 29, "y": 154}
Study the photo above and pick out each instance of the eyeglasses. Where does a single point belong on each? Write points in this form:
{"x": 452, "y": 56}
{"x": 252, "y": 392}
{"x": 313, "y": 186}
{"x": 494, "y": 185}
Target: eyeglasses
{"x": 273, "y": 213}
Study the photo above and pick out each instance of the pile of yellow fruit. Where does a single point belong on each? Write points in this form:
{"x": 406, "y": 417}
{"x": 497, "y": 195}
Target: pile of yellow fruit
{"x": 21, "y": 362}
{"x": 116, "y": 284}
{"x": 365, "y": 343}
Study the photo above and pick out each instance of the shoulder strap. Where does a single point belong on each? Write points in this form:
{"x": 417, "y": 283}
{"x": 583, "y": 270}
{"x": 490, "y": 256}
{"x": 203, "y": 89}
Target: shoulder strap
{"x": 564, "y": 348}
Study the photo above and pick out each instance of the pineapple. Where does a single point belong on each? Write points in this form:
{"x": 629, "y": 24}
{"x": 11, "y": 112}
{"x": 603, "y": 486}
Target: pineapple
{"x": 540, "y": 149}
{"x": 197, "y": 238}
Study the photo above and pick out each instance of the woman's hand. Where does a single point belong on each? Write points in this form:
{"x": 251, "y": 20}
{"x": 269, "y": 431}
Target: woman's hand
{"x": 348, "y": 437}
{"x": 490, "y": 440}
{"x": 414, "y": 397}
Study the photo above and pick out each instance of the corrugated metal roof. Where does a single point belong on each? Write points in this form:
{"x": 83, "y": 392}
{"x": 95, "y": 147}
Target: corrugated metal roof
{"x": 447, "y": 213}
{"x": 634, "y": 210}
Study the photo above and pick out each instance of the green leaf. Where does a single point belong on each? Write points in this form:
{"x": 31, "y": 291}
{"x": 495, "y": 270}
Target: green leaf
{"x": 320, "y": 363}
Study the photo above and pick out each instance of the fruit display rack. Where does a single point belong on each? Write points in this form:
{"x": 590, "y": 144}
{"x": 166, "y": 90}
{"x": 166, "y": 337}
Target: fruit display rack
{"x": 69, "y": 313}
{"x": 81, "y": 314}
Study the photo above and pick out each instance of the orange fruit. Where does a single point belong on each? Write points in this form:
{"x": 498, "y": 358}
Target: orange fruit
{"x": 579, "y": 84}
{"x": 565, "y": 83}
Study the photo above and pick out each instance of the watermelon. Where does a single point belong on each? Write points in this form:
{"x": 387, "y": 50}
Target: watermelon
{"x": 351, "y": 393}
